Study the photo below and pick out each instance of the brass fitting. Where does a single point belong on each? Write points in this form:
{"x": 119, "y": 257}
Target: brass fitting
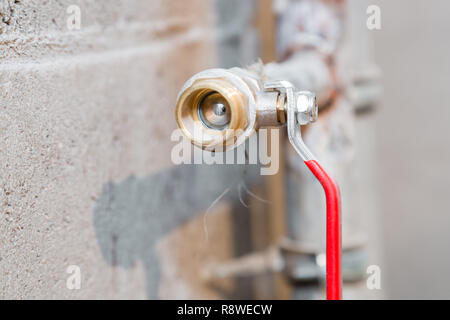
{"x": 219, "y": 109}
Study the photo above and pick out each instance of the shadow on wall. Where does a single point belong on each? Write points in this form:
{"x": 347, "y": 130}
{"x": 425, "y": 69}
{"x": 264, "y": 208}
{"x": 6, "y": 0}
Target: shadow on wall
{"x": 132, "y": 215}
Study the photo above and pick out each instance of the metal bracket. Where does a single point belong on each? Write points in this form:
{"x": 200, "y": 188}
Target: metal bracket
{"x": 301, "y": 108}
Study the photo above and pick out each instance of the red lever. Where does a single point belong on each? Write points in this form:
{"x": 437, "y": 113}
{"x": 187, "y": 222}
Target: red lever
{"x": 333, "y": 198}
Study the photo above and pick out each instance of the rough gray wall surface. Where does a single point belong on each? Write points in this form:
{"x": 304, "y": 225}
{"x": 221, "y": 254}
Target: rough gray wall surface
{"x": 34, "y": 29}
{"x": 130, "y": 216}
{"x": 85, "y": 120}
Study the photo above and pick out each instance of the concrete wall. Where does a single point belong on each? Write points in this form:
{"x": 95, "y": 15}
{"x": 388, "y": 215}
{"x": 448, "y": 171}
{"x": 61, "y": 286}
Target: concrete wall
{"x": 85, "y": 171}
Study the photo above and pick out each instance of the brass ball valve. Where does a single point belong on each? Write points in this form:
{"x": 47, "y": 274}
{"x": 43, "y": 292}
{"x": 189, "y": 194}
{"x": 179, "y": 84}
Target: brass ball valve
{"x": 219, "y": 109}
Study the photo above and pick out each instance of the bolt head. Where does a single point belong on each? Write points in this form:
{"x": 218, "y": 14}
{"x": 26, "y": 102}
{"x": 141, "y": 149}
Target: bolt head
{"x": 306, "y": 107}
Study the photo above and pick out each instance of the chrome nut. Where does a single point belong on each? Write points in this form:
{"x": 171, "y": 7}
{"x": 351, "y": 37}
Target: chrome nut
{"x": 307, "y": 109}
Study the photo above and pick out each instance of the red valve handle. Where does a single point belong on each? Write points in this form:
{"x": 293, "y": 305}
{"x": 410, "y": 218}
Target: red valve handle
{"x": 334, "y": 246}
